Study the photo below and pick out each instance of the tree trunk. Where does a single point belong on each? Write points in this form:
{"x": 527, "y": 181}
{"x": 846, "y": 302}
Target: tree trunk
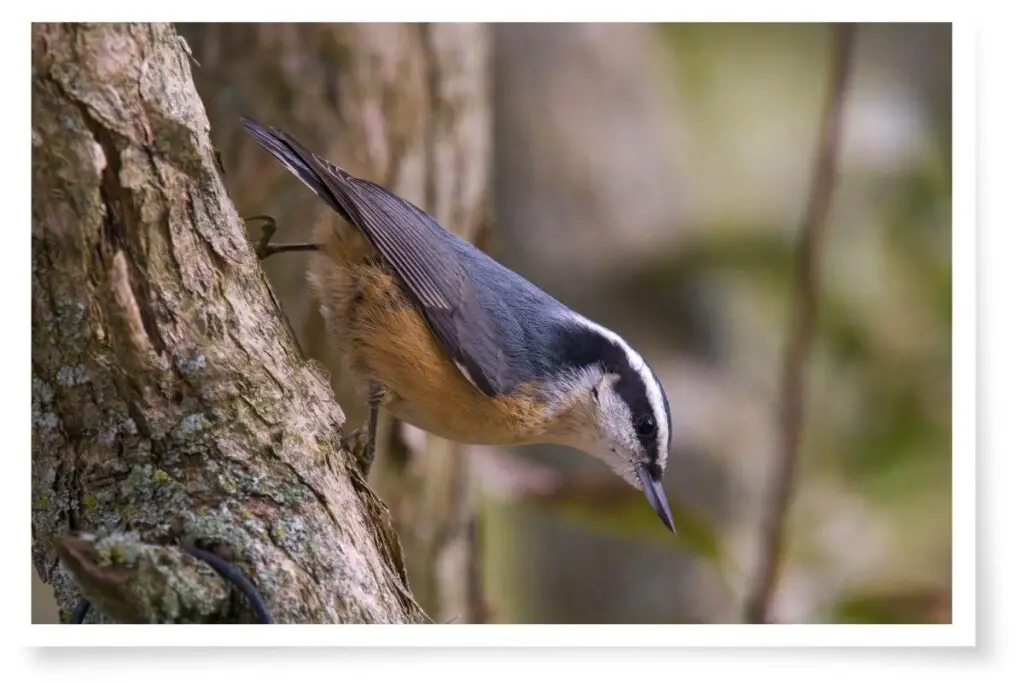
{"x": 170, "y": 404}
{"x": 598, "y": 174}
{"x": 405, "y": 105}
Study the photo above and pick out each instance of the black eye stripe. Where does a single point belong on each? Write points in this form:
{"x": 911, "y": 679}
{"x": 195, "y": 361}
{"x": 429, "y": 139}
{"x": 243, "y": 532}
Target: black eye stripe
{"x": 579, "y": 347}
{"x": 634, "y": 393}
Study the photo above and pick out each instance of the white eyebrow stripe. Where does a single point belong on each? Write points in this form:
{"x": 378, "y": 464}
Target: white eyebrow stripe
{"x": 651, "y": 389}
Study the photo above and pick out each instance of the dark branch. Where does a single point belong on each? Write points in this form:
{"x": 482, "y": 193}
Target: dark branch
{"x": 801, "y": 333}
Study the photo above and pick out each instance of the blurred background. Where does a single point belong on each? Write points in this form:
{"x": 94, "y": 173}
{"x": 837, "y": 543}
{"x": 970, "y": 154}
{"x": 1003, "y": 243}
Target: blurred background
{"x": 653, "y": 178}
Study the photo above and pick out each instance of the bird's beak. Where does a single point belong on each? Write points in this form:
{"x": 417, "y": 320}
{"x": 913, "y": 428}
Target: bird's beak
{"x": 656, "y": 496}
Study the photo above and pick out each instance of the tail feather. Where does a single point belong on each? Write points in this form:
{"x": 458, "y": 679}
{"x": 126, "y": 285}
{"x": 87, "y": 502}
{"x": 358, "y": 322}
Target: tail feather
{"x": 294, "y": 157}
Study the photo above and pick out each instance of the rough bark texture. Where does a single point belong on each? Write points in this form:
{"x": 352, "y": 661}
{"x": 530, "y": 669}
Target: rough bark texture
{"x": 134, "y": 582}
{"x": 407, "y": 106}
{"x": 168, "y": 397}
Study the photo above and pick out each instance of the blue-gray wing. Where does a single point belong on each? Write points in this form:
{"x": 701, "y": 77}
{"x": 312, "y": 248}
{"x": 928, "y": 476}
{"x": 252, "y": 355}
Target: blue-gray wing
{"x": 427, "y": 258}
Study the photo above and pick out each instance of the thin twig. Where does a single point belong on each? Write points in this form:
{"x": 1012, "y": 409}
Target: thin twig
{"x": 798, "y": 343}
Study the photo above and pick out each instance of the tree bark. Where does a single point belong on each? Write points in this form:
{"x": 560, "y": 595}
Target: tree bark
{"x": 169, "y": 402}
{"x": 406, "y": 105}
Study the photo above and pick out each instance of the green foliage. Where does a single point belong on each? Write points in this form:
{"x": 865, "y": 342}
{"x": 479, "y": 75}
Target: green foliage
{"x": 911, "y": 607}
{"x": 617, "y": 510}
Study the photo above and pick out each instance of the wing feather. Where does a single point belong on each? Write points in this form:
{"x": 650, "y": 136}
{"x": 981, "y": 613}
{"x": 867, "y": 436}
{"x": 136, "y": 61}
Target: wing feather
{"x": 422, "y": 253}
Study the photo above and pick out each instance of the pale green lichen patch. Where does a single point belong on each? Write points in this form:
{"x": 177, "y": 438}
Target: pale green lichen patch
{"x": 100, "y": 512}
{"x": 45, "y": 420}
{"x": 139, "y": 478}
{"x": 189, "y": 363}
{"x": 214, "y": 526}
{"x": 164, "y": 584}
{"x": 290, "y": 534}
{"x": 191, "y": 425}
{"x": 41, "y": 391}
{"x": 50, "y": 502}
{"x": 123, "y": 425}
{"x": 42, "y": 397}
{"x": 70, "y": 320}
{"x": 226, "y": 484}
{"x": 240, "y": 483}
{"x": 72, "y": 375}
{"x": 219, "y": 527}
{"x": 190, "y": 436}
{"x": 253, "y": 525}
{"x": 145, "y": 483}
{"x": 108, "y": 436}
{"x": 118, "y": 549}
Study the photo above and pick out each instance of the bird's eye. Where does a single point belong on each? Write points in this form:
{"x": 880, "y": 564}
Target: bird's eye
{"x": 645, "y": 425}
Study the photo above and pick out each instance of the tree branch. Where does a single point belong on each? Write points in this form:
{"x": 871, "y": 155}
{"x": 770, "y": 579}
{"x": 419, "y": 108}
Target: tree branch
{"x": 168, "y": 398}
{"x": 139, "y": 583}
{"x": 798, "y": 345}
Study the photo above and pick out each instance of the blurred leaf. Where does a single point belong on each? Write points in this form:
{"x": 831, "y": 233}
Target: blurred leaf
{"x": 749, "y": 251}
{"x": 918, "y": 233}
{"x": 618, "y": 510}
{"x": 845, "y": 337}
{"x": 921, "y": 606}
{"x": 897, "y": 423}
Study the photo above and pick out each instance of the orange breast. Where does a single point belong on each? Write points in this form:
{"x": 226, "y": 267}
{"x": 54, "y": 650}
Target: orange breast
{"x": 384, "y": 341}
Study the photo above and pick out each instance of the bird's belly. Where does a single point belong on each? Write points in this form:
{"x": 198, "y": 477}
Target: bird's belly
{"x": 388, "y": 347}
{"x": 463, "y": 428}
{"x": 428, "y": 392}
{"x": 428, "y": 395}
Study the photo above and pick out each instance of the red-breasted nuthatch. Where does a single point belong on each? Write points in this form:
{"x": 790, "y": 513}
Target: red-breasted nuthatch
{"x": 446, "y": 339}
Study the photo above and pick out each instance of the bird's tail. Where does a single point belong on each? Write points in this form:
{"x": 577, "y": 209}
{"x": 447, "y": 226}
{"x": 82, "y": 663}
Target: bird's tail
{"x": 304, "y": 165}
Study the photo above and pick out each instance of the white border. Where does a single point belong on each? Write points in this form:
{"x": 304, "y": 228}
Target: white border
{"x": 961, "y": 632}
{"x": 964, "y": 346}
{"x": 502, "y": 635}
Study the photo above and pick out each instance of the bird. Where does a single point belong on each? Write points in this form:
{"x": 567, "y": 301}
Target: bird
{"x": 449, "y": 340}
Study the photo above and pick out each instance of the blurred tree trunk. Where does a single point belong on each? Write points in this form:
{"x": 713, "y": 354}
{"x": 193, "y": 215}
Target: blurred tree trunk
{"x": 405, "y": 105}
{"x": 169, "y": 403}
{"x": 589, "y": 135}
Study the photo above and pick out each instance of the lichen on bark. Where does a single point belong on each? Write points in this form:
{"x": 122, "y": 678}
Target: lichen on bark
{"x": 168, "y": 399}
